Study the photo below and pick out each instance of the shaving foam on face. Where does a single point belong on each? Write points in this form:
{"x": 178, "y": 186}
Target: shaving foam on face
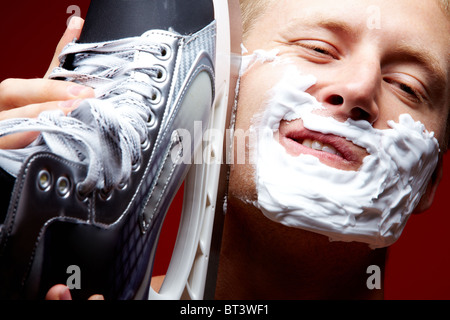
{"x": 370, "y": 205}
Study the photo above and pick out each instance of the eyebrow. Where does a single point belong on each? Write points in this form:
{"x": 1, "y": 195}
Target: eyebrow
{"x": 424, "y": 58}
{"x": 341, "y": 28}
{"x": 408, "y": 52}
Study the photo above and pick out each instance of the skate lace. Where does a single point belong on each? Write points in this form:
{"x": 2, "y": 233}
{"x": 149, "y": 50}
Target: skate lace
{"x": 107, "y": 133}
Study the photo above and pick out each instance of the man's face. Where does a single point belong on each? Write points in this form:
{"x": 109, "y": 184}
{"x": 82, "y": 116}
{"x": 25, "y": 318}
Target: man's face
{"x": 372, "y": 60}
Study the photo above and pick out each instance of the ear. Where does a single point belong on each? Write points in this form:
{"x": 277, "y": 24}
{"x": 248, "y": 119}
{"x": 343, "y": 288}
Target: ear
{"x": 427, "y": 199}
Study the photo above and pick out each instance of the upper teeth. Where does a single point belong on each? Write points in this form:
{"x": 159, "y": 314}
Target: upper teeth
{"x": 317, "y": 145}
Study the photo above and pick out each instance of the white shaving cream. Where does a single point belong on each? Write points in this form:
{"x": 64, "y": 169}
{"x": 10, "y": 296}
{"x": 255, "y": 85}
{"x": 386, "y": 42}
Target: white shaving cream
{"x": 370, "y": 205}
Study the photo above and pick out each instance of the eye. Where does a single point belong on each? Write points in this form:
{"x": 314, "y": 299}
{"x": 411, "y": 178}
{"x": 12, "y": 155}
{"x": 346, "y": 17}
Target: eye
{"x": 318, "y": 49}
{"x": 410, "y": 91}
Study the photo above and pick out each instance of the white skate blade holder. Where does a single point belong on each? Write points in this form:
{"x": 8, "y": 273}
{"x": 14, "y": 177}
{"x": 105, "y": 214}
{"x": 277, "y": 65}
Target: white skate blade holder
{"x": 206, "y": 183}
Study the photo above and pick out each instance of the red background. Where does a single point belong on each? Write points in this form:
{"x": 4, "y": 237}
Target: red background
{"x": 418, "y": 265}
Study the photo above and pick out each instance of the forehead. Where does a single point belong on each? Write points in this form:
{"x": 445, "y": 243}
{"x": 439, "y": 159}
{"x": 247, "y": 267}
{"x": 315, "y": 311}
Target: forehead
{"x": 416, "y": 26}
{"x": 404, "y": 15}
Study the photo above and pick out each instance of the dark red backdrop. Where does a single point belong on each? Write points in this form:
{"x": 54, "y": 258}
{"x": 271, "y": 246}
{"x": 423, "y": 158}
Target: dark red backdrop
{"x": 419, "y": 263}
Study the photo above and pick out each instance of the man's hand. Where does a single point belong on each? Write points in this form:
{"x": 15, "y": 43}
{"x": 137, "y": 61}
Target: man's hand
{"x": 27, "y": 98}
{"x": 62, "y": 292}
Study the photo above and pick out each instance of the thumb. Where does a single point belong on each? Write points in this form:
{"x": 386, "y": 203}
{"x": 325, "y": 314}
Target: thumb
{"x": 58, "y": 292}
{"x": 73, "y": 31}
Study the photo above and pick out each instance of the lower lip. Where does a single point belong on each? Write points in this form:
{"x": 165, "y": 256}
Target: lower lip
{"x": 295, "y": 149}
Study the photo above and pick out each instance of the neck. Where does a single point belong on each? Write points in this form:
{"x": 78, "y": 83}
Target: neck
{"x": 261, "y": 259}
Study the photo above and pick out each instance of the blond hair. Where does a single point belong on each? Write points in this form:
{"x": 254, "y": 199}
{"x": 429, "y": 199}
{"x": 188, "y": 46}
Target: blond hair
{"x": 252, "y": 9}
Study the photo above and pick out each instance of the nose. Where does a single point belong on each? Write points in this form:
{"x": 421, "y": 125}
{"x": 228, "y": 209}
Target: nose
{"x": 354, "y": 93}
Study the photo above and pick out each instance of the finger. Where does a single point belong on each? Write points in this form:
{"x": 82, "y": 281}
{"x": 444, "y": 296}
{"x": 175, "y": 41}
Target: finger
{"x": 21, "y": 140}
{"x": 18, "y": 140}
{"x": 96, "y": 297}
{"x": 33, "y": 110}
{"x": 156, "y": 282}
{"x": 59, "y": 292}
{"x": 73, "y": 31}
{"x": 21, "y": 92}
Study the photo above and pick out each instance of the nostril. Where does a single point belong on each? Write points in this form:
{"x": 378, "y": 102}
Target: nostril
{"x": 360, "y": 114}
{"x": 335, "y": 100}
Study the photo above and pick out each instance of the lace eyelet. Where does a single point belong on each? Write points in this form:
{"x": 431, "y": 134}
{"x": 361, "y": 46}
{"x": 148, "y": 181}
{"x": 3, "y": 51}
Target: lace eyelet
{"x": 81, "y": 196}
{"x": 151, "y": 120}
{"x": 105, "y": 195}
{"x": 135, "y": 167}
{"x": 165, "y": 52}
{"x": 122, "y": 186}
{"x": 63, "y": 187}
{"x": 145, "y": 145}
{"x": 44, "y": 180}
{"x": 155, "y": 97}
{"x": 161, "y": 74}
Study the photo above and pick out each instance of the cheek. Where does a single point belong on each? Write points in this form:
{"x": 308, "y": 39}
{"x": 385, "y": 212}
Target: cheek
{"x": 251, "y": 101}
{"x": 252, "y": 95}
{"x": 439, "y": 128}
{"x": 242, "y": 174}
{"x": 242, "y": 184}
{"x": 247, "y": 107}
{"x": 433, "y": 122}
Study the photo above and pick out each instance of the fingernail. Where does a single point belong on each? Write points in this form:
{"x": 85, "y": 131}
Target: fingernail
{"x": 69, "y": 103}
{"x": 75, "y": 23}
{"x": 65, "y": 294}
{"x": 77, "y": 90}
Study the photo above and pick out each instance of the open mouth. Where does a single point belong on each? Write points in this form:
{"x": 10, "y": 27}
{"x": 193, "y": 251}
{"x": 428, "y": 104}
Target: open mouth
{"x": 331, "y": 150}
{"x": 319, "y": 146}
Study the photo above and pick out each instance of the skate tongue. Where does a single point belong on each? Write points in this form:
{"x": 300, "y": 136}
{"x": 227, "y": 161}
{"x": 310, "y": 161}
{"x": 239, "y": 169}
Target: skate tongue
{"x": 108, "y": 20}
